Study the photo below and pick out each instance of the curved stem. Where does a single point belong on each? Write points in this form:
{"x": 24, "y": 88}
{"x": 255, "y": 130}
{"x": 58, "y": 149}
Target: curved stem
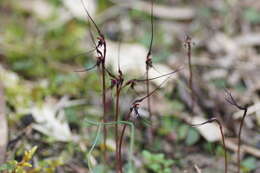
{"x": 93, "y": 146}
{"x": 239, "y": 139}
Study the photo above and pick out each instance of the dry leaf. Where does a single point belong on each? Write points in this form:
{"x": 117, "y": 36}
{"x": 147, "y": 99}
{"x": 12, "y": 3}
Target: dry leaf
{"x": 209, "y": 131}
{"x": 51, "y": 121}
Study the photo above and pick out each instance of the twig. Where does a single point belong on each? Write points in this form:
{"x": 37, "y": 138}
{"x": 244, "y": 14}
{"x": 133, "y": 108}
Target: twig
{"x": 244, "y": 148}
{"x": 197, "y": 169}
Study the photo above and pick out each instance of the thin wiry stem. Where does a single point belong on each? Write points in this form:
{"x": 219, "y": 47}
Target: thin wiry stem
{"x": 133, "y": 82}
{"x": 119, "y": 81}
{"x": 230, "y": 99}
{"x": 104, "y": 105}
{"x": 116, "y": 128}
{"x": 86, "y": 69}
{"x": 102, "y": 57}
{"x": 121, "y": 142}
{"x": 222, "y": 136}
{"x": 98, "y": 30}
{"x": 224, "y": 144}
{"x": 149, "y": 63}
{"x": 167, "y": 74}
{"x": 188, "y": 45}
{"x": 239, "y": 139}
{"x": 134, "y": 107}
{"x": 137, "y": 101}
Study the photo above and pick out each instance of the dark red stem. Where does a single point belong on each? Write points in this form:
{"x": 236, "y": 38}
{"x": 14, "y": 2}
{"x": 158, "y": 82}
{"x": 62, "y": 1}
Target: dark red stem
{"x": 118, "y": 162}
{"x": 239, "y": 139}
{"x": 121, "y": 142}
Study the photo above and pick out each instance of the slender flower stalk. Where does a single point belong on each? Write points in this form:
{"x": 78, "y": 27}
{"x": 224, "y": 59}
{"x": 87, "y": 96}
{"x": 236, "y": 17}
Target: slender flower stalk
{"x": 134, "y": 108}
{"x": 229, "y": 98}
{"x": 101, "y": 61}
{"x": 188, "y": 43}
{"x": 149, "y": 63}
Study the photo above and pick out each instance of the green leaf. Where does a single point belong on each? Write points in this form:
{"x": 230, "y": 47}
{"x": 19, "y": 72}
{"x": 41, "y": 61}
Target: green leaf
{"x": 177, "y": 105}
{"x": 155, "y": 167}
{"x": 167, "y": 170}
{"x": 249, "y": 163}
{"x": 158, "y": 157}
{"x": 8, "y": 166}
{"x": 252, "y": 15}
{"x": 146, "y": 154}
{"x": 183, "y": 131}
{"x": 219, "y": 83}
{"x": 168, "y": 163}
{"x": 99, "y": 169}
{"x": 220, "y": 151}
{"x": 193, "y": 137}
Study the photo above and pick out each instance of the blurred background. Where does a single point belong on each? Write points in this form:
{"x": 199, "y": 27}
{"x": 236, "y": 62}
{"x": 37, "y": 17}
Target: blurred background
{"x": 43, "y": 43}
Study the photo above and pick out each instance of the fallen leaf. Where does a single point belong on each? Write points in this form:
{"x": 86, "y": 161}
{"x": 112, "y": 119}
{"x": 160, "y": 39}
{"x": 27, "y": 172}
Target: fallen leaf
{"x": 51, "y": 121}
{"x": 192, "y": 137}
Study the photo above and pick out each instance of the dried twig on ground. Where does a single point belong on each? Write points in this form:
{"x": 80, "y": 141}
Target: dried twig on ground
{"x": 244, "y": 148}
